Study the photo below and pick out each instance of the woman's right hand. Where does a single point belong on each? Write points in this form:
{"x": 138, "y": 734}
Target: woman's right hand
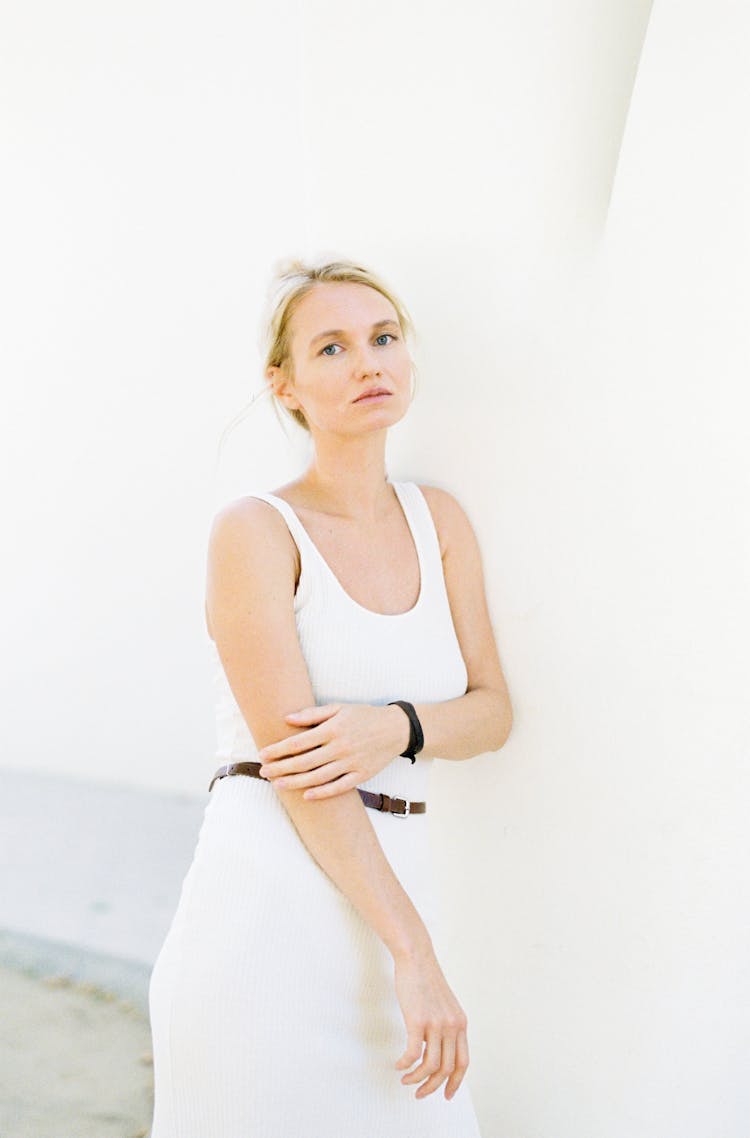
{"x": 432, "y": 1015}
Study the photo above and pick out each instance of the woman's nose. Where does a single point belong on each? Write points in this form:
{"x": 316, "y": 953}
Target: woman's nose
{"x": 366, "y": 360}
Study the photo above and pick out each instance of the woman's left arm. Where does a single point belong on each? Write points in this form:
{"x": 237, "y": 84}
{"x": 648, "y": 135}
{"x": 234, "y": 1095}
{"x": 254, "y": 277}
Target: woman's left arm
{"x": 480, "y": 720}
{"x": 348, "y": 743}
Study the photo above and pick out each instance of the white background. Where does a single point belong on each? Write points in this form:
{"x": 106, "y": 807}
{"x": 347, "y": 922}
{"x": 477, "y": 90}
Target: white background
{"x": 577, "y": 264}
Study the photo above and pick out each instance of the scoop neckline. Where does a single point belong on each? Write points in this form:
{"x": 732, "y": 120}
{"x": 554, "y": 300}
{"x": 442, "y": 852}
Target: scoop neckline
{"x": 397, "y": 486}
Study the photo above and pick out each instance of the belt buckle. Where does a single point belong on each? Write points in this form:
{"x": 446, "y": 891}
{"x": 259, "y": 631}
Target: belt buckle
{"x": 398, "y": 814}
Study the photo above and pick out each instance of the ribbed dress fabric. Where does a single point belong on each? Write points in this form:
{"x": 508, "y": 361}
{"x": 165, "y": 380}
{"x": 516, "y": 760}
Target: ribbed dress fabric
{"x": 272, "y": 1001}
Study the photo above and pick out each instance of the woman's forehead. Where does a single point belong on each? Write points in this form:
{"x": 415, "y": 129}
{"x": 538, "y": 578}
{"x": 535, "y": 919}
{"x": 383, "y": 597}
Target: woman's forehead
{"x": 346, "y": 303}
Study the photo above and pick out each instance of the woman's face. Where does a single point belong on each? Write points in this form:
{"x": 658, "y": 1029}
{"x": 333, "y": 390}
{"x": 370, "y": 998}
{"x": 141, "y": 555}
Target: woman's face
{"x": 346, "y": 340}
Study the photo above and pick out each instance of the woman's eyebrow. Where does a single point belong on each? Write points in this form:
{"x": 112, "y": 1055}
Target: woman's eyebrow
{"x": 342, "y": 331}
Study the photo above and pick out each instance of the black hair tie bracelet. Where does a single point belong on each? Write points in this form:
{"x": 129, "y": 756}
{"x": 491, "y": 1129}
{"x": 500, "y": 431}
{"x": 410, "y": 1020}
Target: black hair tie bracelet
{"x": 416, "y": 735}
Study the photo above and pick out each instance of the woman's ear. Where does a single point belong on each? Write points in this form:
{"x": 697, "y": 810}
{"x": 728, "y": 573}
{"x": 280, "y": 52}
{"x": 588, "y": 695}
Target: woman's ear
{"x": 279, "y": 384}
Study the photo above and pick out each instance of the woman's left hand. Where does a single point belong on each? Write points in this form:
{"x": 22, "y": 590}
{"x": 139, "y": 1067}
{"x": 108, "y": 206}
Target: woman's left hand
{"x": 349, "y": 743}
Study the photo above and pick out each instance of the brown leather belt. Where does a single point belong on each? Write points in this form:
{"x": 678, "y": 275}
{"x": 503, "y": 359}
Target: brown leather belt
{"x": 398, "y": 807}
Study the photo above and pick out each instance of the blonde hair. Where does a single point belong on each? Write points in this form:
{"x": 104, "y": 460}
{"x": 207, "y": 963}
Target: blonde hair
{"x": 292, "y": 280}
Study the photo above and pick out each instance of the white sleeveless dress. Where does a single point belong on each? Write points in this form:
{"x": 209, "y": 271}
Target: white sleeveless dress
{"x": 272, "y": 1001}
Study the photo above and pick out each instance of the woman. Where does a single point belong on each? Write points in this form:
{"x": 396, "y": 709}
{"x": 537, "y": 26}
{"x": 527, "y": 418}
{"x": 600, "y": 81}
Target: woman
{"x": 298, "y": 985}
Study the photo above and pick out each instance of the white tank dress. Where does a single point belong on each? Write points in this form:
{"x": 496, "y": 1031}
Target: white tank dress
{"x": 272, "y": 1001}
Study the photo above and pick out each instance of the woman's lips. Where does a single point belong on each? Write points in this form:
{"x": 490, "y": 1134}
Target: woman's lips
{"x": 373, "y": 398}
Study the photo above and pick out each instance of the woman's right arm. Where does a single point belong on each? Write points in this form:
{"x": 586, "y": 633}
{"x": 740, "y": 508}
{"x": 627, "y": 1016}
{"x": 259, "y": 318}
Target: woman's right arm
{"x": 251, "y": 571}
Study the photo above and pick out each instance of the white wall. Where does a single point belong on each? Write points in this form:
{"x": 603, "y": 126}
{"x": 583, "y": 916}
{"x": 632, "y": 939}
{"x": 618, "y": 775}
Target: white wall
{"x": 673, "y": 784}
{"x": 161, "y": 158}
{"x": 158, "y": 160}
{"x": 146, "y": 147}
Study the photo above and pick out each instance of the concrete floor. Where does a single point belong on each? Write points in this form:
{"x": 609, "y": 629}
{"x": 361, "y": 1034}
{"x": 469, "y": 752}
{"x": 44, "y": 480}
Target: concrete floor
{"x": 90, "y": 876}
{"x": 75, "y": 1062}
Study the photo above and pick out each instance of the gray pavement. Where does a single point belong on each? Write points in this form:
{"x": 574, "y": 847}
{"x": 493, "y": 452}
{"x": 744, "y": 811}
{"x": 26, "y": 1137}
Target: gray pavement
{"x": 75, "y": 1062}
{"x": 90, "y": 876}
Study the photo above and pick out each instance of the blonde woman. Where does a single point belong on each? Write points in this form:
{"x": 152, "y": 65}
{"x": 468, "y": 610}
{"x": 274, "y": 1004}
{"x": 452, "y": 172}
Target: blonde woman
{"x": 297, "y": 993}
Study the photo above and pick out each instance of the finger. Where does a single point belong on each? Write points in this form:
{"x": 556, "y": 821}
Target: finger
{"x": 460, "y": 1065}
{"x": 413, "y": 1049}
{"x": 335, "y": 786}
{"x": 293, "y": 745}
{"x": 448, "y": 1055}
{"x": 296, "y": 764}
{"x": 314, "y": 714}
{"x": 430, "y": 1059}
{"x": 321, "y": 774}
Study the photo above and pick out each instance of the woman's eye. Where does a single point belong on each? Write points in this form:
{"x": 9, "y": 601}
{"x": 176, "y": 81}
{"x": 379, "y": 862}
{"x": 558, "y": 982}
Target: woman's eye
{"x": 383, "y": 336}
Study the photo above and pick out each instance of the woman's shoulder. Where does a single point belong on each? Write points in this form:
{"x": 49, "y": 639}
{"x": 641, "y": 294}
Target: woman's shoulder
{"x": 247, "y": 507}
{"x": 250, "y": 547}
{"x": 447, "y": 512}
{"x": 250, "y": 520}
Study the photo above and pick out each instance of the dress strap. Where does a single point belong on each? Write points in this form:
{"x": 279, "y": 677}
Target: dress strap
{"x": 425, "y": 535}
{"x": 298, "y": 531}
{"x": 420, "y": 522}
{"x": 307, "y": 552}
